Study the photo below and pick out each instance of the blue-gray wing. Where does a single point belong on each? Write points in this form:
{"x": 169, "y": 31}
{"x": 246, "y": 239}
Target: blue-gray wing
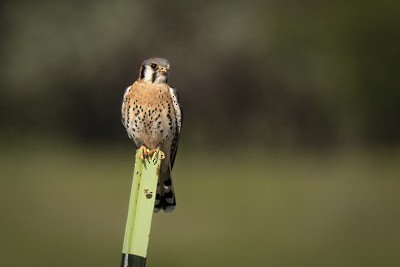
{"x": 179, "y": 118}
{"x": 124, "y": 116}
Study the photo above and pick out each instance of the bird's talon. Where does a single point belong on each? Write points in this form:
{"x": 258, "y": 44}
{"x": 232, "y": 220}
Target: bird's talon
{"x": 154, "y": 154}
{"x": 143, "y": 153}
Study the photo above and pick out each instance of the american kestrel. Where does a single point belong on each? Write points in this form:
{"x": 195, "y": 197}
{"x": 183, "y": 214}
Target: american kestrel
{"x": 153, "y": 119}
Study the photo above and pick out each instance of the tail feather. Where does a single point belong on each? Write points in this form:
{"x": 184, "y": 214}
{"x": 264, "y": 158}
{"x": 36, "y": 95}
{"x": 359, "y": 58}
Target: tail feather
{"x": 158, "y": 202}
{"x": 165, "y": 197}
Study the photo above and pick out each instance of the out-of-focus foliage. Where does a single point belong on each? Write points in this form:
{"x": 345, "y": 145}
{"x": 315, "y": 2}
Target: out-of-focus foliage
{"x": 269, "y": 72}
{"x": 67, "y": 205}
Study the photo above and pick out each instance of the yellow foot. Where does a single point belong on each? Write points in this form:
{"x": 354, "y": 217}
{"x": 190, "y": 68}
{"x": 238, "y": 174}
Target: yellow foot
{"x": 143, "y": 152}
{"x": 155, "y": 152}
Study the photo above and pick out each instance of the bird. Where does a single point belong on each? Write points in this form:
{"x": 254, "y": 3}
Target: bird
{"x": 151, "y": 113}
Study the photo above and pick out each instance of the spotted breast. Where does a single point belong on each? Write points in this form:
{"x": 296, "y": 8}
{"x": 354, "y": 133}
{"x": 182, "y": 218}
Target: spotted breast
{"x": 149, "y": 116}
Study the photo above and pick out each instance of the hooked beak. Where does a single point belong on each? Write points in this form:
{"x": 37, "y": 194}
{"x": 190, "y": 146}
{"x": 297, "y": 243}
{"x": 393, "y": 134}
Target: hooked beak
{"x": 163, "y": 71}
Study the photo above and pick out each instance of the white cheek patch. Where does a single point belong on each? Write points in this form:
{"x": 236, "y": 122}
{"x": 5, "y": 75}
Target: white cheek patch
{"x": 152, "y": 76}
{"x": 148, "y": 74}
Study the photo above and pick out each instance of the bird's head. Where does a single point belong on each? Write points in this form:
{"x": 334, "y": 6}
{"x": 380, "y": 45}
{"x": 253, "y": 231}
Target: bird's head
{"x": 154, "y": 70}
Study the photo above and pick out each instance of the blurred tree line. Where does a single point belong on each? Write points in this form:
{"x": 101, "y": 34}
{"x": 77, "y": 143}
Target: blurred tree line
{"x": 261, "y": 72}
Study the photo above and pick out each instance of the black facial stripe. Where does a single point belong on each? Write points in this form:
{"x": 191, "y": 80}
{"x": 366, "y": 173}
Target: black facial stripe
{"x": 153, "y": 78}
{"x": 142, "y": 70}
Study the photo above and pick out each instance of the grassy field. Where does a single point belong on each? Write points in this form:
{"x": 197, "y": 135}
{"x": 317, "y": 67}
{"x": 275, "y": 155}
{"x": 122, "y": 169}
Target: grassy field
{"x": 66, "y": 205}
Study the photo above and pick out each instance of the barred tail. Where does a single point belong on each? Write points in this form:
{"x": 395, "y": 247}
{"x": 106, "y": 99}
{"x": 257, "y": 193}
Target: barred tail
{"x": 165, "y": 197}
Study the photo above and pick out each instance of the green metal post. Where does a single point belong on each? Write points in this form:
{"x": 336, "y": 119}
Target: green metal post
{"x": 140, "y": 212}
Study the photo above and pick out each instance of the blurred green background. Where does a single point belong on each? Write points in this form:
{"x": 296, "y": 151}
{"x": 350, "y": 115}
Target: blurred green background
{"x": 289, "y": 154}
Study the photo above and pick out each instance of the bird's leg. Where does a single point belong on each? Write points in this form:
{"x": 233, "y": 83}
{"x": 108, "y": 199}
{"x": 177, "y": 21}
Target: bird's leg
{"x": 155, "y": 152}
{"x": 143, "y": 153}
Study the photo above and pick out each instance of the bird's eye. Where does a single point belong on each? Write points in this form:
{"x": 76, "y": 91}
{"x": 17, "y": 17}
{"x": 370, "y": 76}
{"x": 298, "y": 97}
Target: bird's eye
{"x": 153, "y": 66}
